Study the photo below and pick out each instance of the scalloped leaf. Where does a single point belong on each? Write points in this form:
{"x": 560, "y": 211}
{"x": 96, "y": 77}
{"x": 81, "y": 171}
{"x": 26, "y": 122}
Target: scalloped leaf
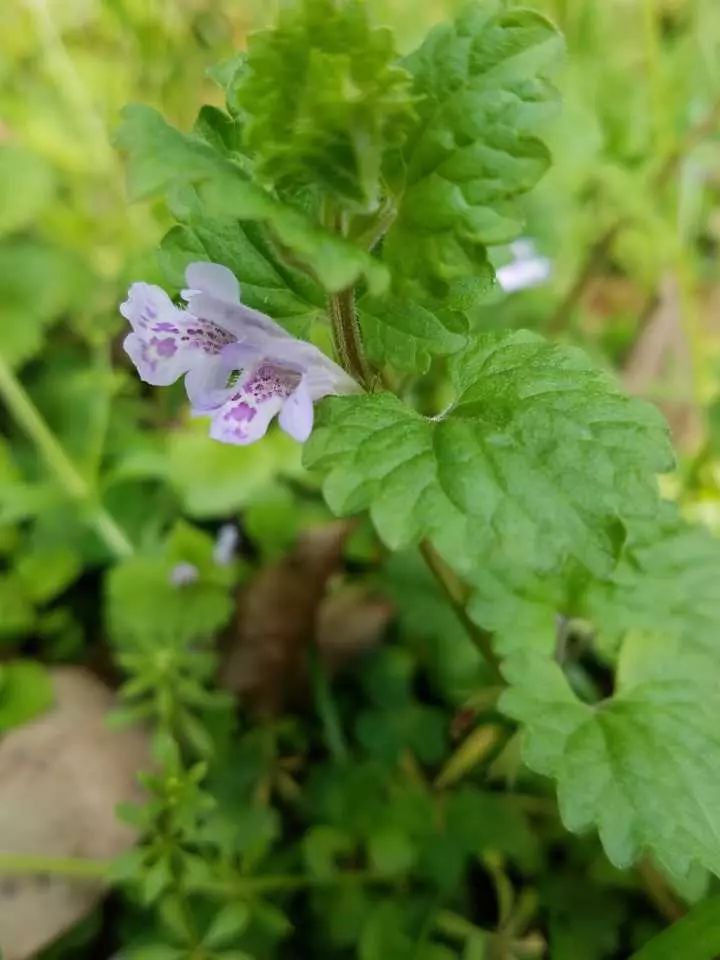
{"x": 643, "y": 766}
{"x": 539, "y": 456}
{"x": 483, "y": 89}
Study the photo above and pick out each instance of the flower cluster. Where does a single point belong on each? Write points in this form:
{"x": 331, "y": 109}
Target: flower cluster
{"x": 240, "y": 367}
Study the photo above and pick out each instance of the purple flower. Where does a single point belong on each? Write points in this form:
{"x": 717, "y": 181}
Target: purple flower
{"x": 240, "y": 367}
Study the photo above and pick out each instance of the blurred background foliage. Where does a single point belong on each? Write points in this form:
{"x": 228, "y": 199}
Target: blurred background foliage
{"x": 92, "y": 464}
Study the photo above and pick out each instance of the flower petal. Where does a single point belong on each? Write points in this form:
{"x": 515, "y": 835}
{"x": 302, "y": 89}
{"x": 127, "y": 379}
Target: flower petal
{"x": 323, "y": 375}
{"x": 157, "y": 359}
{"x": 246, "y": 414}
{"x": 206, "y": 383}
{"x": 296, "y": 416}
{"x": 147, "y": 305}
{"x": 241, "y": 422}
{"x": 243, "y": 322}
{"x": 165, "y": 341}
{"x": 213, "y": 279}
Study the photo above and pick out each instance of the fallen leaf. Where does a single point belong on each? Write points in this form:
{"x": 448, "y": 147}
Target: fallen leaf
{"x": 265, "y": 660}
{"x": 660, "y": 367}
{"x": 349, "y": 623}
{"x": 284, "y": 609}
{"x": 61, "y": 777}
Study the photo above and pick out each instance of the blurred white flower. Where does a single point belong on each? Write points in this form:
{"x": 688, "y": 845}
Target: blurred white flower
{"x": 183, "y": 574}
{"x": 226, "y": 545}
{"x": 527, "y": 269}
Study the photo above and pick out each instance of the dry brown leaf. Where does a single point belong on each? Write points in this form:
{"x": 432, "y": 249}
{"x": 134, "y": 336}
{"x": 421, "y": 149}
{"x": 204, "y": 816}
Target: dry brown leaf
{"x": 349, "y": 623}
{"x": 283, "y": 609}
{"x": 61, "y": 778}
{"x": 266, "y": 654}
{"x": 660, "y": 367}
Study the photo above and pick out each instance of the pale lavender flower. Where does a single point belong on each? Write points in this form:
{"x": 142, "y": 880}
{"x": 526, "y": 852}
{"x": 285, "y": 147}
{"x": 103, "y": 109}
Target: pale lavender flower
{"x": 183, "y": 574}
{"x": 527, "y": 269}
{"x": 226, "y": 544}
{"x": 240, "y": 367}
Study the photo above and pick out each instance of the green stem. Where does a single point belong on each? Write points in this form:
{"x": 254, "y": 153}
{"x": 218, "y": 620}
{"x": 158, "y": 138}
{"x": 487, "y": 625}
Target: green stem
{"x": 74, "y": 868}
{"x": 456, "y": 927}
{"x": 454, "y": 592}
{"x": 77, "y": 868}
{"x": 327, "y": 708}
{"x": 346, "y": 334}
{"x": 66, "y": 473}
{"x": 280, "y": 883}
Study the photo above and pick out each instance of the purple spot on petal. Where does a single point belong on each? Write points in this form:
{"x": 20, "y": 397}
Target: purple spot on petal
{"x": 165, "y": 327}
{"x": 241, "y": 412}
{"x": 164, "y": 348}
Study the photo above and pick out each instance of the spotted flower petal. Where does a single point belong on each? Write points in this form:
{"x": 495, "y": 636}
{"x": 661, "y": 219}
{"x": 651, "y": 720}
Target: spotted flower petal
{"x": 257, "y": 397}
{"x": 167, "y": 342}
{"x": 213, "y": 293}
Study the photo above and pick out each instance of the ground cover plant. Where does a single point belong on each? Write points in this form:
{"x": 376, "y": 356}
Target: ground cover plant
{"x": 429, "y": 667}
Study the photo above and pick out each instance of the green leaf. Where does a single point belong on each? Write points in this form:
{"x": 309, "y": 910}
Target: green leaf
{"x": 405, "y": 335}
{"x": 144, "y": 603}
{"x": 483, "y": 89}
{"x": 695, "y": 937}
{"x": 214, "y": 479}
{"x": 322, "y": 100}
{"x": 391, "y": 851}
{"x": 228, "y": 925}
{"x": 17, "y": 613}
{"x": 155, "y": 951}
{"x": 37, "y": 283}
{"x": 26, "y": 186}
{"x": 322, "y": 847}
{"x": 284, "y": 293}
{"x": 584, "y": 920}
{"x": 665, "y": 582}
{"x": 642, "y": 766}
{"x": 474, "y": 822}
{"x": 385, "y": 935}
{"x": 538, "y": 456}
{"x": 26, "y": 690}
{"x": 45, "y": 573}
{"x": 162, "y": 159}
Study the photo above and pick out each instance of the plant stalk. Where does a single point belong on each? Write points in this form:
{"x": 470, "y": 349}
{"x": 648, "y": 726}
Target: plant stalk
{"x": 327, "y": 708}
{"x": 56, "y": 459}
{"x": 454, "y": 592}
{"x": 346, "y": 335}
{"x": 33, "y": 865}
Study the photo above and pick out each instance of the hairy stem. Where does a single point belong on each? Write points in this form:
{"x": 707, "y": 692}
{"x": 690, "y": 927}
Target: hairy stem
{"x": 346, "y": 334}
{"x": 454, "y": 591}
{"x": 56, "y": 459}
